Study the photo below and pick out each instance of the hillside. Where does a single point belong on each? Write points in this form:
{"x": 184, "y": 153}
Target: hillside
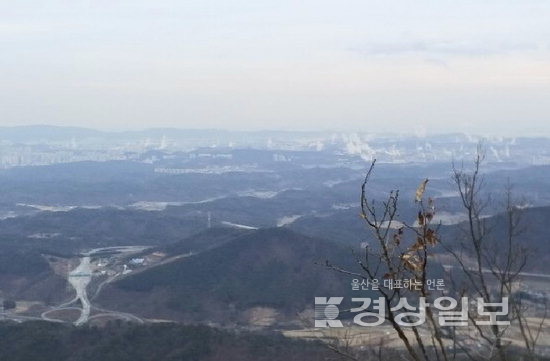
{"x": 532, "y": 234}
{"x": 25, "y": 274}
{"x": 346, "y": 226}
{"x": 78, "y": 229}
{"x": 203, "y": 241}
{"x": 273, "y": 269}
{"x": 38, "y": 341}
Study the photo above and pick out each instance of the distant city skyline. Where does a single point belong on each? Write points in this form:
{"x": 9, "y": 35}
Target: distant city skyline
{"x": 423, "y": 67}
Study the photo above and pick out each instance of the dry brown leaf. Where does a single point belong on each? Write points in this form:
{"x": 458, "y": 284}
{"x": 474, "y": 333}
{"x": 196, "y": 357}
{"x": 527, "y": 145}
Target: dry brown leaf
{"x": 420, "y": 190}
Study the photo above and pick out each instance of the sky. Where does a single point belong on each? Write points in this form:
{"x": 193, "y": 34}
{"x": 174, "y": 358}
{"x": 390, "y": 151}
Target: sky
{"x": 380, "y": 66}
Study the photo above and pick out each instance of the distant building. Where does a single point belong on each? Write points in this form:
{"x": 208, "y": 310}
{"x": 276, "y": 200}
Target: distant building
{"x": 137, "y": 261}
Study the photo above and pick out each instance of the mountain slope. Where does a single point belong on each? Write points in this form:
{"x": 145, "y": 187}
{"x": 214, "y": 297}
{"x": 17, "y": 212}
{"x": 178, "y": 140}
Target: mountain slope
{"x": 40, "y": 341}
{"x": 25, "y": 274}
{"x": 346, "y": 226}
{"x": 270, "y": 268}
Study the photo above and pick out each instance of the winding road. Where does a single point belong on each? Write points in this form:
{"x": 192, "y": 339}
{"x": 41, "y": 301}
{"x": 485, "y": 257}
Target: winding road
{"x": 80, "y": 278}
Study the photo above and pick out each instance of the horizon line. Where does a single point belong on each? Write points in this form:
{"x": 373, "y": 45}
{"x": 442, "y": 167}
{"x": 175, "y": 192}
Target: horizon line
{"x": 409, "y": 134}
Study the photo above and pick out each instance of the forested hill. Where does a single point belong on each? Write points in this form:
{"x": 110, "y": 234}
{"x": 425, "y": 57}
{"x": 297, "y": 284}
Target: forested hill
{"x": 274, "y": 268}
{"x": 40, "y": 341}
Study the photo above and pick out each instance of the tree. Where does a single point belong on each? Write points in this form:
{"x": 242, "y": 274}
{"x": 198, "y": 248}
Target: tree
{"x": 490, "y": 269}
{"x": 9, "y": 304}
{"x": 492, "y": 265}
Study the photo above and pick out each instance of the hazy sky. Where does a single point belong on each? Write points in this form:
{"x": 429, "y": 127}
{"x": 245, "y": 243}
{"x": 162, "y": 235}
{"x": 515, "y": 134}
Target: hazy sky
{"x": 408, "y": 66}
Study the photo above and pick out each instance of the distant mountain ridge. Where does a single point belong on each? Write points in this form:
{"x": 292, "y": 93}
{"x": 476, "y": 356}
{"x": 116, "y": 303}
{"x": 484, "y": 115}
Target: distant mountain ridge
{"x": 46, "y": 132}
{"x": 59, "y": 133}
{"x": 55, "y": 132}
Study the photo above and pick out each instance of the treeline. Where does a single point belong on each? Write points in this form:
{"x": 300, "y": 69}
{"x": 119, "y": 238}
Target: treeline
{"x": 21, "y": 262}
{"x": 119, "y": 341}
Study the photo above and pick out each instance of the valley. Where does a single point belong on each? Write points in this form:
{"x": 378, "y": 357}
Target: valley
{"x": 246, "y": 249}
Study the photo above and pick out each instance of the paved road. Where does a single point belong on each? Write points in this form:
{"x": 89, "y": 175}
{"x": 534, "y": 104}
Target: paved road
{"x": 80, "y": 278}
{"x": 44, "y": 316}
{"x": 485, "y": 270}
